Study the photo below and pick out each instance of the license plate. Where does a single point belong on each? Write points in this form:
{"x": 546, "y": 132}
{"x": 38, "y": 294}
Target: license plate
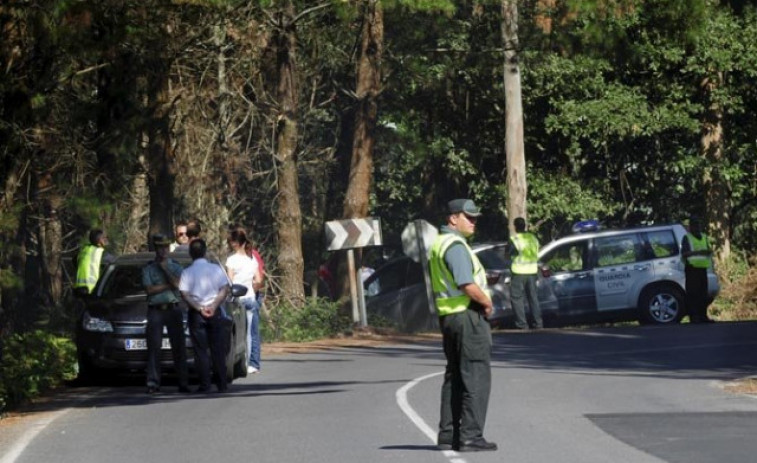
{"x": 141, "y": 344}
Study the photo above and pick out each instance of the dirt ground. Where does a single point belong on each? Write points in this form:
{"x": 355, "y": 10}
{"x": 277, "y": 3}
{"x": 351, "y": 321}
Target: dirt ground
{"x": 358, "y": 338}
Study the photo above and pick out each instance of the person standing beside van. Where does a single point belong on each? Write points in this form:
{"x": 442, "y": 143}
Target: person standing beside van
{"x": 524, "y": 252}
{"x": 697, "y": 258}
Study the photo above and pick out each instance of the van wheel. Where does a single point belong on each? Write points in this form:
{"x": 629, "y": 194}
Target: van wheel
{"x": 661, "y": 305}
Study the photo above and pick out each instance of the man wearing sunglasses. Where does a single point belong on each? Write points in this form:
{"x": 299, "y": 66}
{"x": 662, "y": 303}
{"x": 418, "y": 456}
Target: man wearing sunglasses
{"x": 180, "y": 235}
{"x": 463, "y": 304}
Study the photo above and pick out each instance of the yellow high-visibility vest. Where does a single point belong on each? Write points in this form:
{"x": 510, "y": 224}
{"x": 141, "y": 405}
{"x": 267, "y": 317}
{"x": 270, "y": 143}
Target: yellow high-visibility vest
{"x": 702, "y": 244}
{"x": 449, "y": 298}
{"x": 88, "y": 270}
{"x": 525, "y": 263}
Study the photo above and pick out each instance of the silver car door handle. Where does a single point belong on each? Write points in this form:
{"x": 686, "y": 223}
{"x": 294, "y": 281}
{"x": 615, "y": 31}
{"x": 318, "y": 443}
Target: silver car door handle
{"x": 641, "y": 268}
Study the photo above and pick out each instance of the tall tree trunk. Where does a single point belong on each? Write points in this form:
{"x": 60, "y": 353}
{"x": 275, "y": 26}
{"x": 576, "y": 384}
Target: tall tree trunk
{"x": 514, "y": 147}
{"x": 717, "y": 187}
{"x": 139, "y": 198}
{"x": 368, "y": 82}
{"x": 368, "y": 88}
{"x": 50, "y": 242}
{"x": 161, "y": 175}
{"x": 288, "y": 213}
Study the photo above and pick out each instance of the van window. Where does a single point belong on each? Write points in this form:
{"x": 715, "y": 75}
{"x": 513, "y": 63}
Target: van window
{"x": 617, "y": 250}
{"x": 571, "y": 257}
{"x": 663, "y": 243}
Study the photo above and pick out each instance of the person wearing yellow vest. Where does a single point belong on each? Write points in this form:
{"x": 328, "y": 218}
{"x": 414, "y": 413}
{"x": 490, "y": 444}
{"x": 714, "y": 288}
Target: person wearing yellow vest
{"x": 697, "y": 257}
{"x": 91, "y": 258}
{"x": 524, "y": 252}
{"x": 463, "y": 303}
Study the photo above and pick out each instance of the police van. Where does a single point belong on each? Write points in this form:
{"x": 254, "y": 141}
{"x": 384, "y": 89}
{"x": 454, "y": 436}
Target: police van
{"x": 616, "y": 275}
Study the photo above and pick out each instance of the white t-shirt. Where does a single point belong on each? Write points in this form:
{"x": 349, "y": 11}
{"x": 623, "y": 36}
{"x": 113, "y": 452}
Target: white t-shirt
{"x": 244, "y": 268}
{"x": 203, "y": 280}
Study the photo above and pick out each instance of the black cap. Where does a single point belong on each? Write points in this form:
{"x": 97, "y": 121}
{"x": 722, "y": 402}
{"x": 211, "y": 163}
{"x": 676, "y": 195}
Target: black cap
{"x": 463, "y": 205}
{"x": 160, "y": 240}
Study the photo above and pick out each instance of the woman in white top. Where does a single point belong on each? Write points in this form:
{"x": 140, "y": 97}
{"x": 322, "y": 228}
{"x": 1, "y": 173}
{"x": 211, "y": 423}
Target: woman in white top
{"x": 243, "y": 270}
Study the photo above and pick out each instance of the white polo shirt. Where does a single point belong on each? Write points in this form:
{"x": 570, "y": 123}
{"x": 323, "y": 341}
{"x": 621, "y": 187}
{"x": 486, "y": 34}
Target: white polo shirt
{"x": 202, "y": 281}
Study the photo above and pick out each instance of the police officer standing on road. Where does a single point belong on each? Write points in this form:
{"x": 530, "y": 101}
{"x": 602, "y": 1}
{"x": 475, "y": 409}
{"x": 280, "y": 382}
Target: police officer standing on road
{"x": 161, "y": 281}
{"x": 463, "y": 303}
{"x": 524, "y": 252}
{"x": 697, "y": 256}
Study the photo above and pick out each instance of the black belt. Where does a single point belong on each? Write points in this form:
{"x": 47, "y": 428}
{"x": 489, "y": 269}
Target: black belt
{"x": 169, "y": 305}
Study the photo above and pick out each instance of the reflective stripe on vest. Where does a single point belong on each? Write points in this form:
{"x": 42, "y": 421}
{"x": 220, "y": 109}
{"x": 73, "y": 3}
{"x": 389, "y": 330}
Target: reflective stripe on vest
{"x": 449, "y": 298}
{"x": 525, "y": 263}
{"x": 89, "y": 267}
{"x": 699, "y": 245}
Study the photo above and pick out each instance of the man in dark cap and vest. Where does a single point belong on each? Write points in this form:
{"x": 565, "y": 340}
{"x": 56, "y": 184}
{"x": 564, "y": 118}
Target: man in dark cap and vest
{"x": 161, "y": 281}
{"x": 463, "y": 304}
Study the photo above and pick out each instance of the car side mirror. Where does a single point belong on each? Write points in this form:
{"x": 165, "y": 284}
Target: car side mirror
{"x": 238, "y": 290}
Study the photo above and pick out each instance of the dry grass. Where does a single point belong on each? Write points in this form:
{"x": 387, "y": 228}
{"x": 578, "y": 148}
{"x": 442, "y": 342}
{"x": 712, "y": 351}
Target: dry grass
{"x": 742, "y": 386}
{"x": 738, "y": 297}
{"x": 359, "y": 337}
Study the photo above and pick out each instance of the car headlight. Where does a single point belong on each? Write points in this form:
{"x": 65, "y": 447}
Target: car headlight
{"x": 90, "y": 323}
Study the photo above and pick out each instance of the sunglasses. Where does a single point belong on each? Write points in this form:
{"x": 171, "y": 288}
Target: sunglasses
{"x": 181, "y": 234}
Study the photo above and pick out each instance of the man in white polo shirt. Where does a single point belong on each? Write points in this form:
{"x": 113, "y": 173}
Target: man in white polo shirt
{"x": 204, "y": 286}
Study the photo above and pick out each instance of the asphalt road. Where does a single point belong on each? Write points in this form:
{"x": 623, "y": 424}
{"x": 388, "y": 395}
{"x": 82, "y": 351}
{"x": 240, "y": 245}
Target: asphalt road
{"x": 630, "y": 394}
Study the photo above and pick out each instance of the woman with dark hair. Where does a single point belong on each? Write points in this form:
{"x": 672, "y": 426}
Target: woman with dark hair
{"x": 243, "y": 270}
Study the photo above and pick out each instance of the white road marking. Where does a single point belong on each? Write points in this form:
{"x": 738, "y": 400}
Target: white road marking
{"x": 416, "y": 419}
{"x": 20, "y": 445}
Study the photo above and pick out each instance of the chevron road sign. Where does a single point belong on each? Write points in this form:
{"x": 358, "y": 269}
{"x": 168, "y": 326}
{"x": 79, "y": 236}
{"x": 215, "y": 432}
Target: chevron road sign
{"x": 353, "y": 233}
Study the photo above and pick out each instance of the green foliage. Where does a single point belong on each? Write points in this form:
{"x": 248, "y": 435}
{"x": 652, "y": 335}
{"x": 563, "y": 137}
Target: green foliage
{"x": 33, "y": 363}
{"x": 317, "y": 319}
{"x": 556, "y": 202}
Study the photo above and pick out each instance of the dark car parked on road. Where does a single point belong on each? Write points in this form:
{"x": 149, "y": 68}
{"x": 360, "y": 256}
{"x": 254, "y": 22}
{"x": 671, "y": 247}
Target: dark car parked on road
{"x": 396, "y": 292}
{"x": 110, "y": 332}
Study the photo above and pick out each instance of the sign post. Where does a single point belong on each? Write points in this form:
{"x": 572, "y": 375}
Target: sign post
{"x": 351, "y": 234}
{"x": 417, "y": 239}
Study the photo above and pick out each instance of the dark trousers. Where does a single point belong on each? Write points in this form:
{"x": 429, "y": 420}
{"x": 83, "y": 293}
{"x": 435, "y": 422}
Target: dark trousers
{"x": 467, "y": 377}
{"x": 210, "y": 337}
{"x": 696, "y": 294}
{"x": 522, "y": 286}
{"x": 170, "y": 316}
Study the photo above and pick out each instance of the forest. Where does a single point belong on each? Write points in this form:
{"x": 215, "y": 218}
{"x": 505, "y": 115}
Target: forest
{"x": 280, "y": 115}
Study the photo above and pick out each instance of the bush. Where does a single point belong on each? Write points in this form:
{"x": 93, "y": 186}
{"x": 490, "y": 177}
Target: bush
{"x": 318, "y": 319}
{"x": 738, "y": 290}
{"x": 32, "y": 363}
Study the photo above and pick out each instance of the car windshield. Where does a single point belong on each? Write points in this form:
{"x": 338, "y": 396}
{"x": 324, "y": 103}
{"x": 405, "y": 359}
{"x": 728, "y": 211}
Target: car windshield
{"x": 124, "y": 281}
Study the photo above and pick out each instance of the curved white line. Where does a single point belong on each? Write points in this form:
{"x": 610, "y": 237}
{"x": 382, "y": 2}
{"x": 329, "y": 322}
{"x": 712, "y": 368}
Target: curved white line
{"x": 416, "y": 419}
{"x": 20, "y": 445}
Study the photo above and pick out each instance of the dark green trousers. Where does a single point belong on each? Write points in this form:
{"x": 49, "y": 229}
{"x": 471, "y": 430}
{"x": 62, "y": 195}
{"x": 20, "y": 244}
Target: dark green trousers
{"x": 467, "y": 379}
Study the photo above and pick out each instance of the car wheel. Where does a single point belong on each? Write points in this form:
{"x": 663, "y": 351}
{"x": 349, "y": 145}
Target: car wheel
{"x": 240, "y": 366}
{"x": 661, "y": 305}
{"x": 230, "y": 357}
{"x": 87, "y": 373}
